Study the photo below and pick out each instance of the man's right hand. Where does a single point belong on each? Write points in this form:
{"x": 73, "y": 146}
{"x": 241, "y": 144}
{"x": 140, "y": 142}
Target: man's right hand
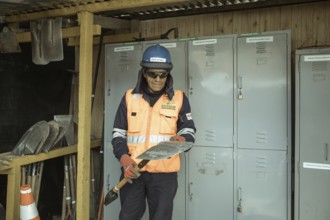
{"x": 128, "y": 165}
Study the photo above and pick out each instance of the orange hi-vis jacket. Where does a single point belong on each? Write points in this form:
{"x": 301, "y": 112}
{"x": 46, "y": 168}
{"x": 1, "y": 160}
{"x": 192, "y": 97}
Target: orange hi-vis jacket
{"x": 147, "y": 126}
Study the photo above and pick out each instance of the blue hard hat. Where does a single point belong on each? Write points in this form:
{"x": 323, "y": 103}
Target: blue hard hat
{"x": 156, "y": 57}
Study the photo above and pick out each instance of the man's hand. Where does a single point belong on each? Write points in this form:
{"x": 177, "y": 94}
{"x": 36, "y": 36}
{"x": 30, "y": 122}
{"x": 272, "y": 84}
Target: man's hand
{"x": 128, "y": 165}
{"x": 177, "y": 138}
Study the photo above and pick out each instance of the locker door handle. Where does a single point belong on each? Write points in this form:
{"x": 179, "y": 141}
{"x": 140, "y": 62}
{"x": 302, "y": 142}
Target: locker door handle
{"x": 239, "y": 197}
{"x": 326, "y": 151}
{"x": 108, "y": 182}
{"x": 189, "y": 191}
{"x": 240, "y": 86}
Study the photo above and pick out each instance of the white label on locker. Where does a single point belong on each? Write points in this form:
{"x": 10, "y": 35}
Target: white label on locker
{"x": 318, "y": 166}
{"x": 259, "y": 39}
{"x": 169, "y": 45}
{"x": 203, "y": 42}
{"x": 120, "y": 49}
{"x": 312, "y": 58}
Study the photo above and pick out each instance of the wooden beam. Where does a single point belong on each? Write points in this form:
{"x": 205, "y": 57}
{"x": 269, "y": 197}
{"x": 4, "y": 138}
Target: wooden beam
{"x": 109, "y": 39}
{"x": 93, "y": 8}
{"x": 66, "y": 33}
{"x": 84, "y": 113}
{"x": 111, "y": 23}
{"x": 14, "y": 160}
{"x": 13, "y": 193}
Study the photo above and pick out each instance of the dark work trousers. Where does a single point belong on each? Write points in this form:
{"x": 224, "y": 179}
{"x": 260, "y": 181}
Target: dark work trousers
{"x": 158, "y": 189}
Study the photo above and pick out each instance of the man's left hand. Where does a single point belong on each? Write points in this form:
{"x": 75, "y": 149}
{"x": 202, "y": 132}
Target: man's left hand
{"x": 177, "y": 138}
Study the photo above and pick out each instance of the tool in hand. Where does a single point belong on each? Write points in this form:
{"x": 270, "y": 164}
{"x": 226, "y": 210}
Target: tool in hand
{"x": 160, "y": 151}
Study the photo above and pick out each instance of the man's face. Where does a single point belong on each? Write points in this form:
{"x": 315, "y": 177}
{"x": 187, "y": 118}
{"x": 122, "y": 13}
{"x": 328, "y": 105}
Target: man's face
{"x": 156, "y": 79}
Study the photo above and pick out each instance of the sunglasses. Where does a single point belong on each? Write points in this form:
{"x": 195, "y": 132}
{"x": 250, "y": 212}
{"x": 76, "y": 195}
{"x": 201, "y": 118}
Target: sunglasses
{"x": 154, "y": 75}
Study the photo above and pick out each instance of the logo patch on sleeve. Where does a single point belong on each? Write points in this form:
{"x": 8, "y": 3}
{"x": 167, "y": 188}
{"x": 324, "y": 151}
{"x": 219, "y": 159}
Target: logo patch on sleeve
{"x": 189, "y": 116}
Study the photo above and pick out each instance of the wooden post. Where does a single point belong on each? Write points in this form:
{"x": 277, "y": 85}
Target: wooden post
{"x": 13, "y": 193}
{"x": 84, "y": 114}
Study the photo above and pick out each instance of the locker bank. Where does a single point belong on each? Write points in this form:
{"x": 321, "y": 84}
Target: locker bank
{"x": 256, "y": 76}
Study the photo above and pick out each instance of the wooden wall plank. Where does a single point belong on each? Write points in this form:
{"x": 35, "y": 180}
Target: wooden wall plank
{"x": 218, "y": 24}
{"x": 319, "y": 25}
{"x": 285, "y": 18}
{"x": 307, "y": 25}
{"x": 208, "y": 24}
{"x": 264, "y": 20}
{"x": 296, "y": 27}
{"x": 183, "y": 27}
{"x": 198, "y": 26}
{"x": 253, "y": 21}
{"x": 326, "y": 32}
{"x": 245, "y": 25}
{"x": 228, "y": 23}
{"x": 237, "y": 17}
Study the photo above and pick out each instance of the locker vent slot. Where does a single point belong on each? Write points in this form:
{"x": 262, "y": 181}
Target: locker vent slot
{"x": 209, "y": 54}
{"x": 261, "y": 47}
{"x": 209, "y": 50}
{"x": 124, "y": 59}
{"x": 320, "y": 66}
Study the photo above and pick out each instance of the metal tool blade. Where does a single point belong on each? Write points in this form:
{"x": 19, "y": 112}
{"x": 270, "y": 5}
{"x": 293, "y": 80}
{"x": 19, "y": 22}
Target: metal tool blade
{"x": 165, "y": 150}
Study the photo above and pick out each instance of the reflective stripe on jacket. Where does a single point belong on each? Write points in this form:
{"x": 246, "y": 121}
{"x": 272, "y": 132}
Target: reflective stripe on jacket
{"x": 147, "y": 126}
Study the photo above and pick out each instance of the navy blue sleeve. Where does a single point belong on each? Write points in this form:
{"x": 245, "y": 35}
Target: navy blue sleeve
{"x": 185, "y": 124}
{"x": 119, "y": 134}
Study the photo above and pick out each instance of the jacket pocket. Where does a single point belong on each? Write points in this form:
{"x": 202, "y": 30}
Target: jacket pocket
{"x": 134, "y": 121}
{"x": 168, "y": 119}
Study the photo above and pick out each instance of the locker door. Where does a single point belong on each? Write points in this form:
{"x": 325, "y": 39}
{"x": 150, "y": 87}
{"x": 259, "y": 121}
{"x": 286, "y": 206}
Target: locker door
{"x": 210, "y": 185}
{"x": 210, "y": 65}
{"x": 262, "y": 63}
{"x": 121, "y": 65}
{"x": 314, "y": 135}
{"x": 262, "y": 185}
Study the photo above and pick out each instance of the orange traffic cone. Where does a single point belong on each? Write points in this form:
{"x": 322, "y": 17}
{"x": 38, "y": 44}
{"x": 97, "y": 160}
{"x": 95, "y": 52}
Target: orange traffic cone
{"x": 28, "y": 209}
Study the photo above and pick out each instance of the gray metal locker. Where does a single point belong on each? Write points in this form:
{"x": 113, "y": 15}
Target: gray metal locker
{"x": 210, "y": 163}
{"x": 312, "y": 176}
{"x": 263, "y": 127}
{"x": 262, "y": 185}
{"x": 262, "y": 91}
{"x": 121, "y": 65}
{"x": 211, "y": 73}
{"x": 239, "y": 91}
{"x": 210, "y": 186}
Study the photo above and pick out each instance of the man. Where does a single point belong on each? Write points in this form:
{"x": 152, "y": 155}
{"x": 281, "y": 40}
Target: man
{"x": 148, "y": 114}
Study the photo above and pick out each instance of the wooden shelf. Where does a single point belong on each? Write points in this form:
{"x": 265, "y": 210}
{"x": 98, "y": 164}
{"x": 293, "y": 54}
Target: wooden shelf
{"x": 10, "y": 165}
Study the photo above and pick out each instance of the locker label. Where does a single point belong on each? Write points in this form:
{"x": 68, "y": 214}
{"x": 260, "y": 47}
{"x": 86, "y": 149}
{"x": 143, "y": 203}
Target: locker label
{"x": 318, "y": 166}
{"x": 120, "y": 49}
{"x": 203, "y": 42}
{"x": 169, "y": 45}
{"x": 259, "y": 39}
{"x": 312, "y": 58}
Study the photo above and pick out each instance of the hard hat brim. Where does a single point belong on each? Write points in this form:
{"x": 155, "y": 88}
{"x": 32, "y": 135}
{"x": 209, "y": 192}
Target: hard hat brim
{"x": 156, "y": 65}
